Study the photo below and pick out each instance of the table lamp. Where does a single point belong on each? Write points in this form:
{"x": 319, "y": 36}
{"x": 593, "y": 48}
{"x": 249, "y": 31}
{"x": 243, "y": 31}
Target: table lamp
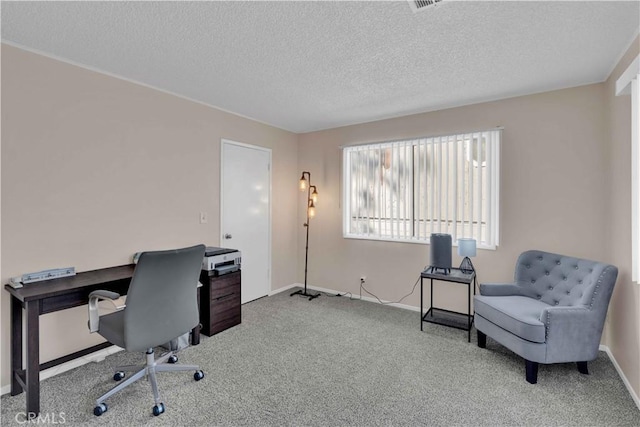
{"x": 466, "y": 249}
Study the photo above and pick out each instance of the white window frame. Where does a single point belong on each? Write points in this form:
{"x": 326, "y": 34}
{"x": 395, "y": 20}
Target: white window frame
{"x": 629, "y": 84}
{"x": 493, "y": 174}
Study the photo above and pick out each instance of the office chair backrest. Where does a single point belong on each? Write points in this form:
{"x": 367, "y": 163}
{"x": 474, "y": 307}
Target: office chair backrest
{"x": 162, "y": 299}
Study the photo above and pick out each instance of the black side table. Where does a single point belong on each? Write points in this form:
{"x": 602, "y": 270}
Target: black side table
{"x": 444, "y": 317}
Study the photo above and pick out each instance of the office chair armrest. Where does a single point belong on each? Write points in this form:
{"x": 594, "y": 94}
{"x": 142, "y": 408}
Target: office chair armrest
{"x": 94, "y": 298}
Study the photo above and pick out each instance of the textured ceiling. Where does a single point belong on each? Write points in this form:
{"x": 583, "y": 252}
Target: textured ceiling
{"x": 305, "y": 66}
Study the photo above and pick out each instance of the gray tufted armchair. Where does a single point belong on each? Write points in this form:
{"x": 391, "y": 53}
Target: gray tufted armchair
{"x": 553, "y": 313}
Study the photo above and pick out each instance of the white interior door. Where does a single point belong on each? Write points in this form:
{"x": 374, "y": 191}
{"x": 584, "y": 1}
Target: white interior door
{"x": 246, "y": 213}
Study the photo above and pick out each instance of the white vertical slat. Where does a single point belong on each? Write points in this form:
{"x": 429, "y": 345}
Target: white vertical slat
{"x": 432, "y": 158}
{"x": 464, "y": 196}
{"x": 383, "y": 189}
{"x": 404, "y": 186}
{"x": 495, "y": 187}
{"x": 416, "y": 193}
{"x": 490, "y": 142}
{"x": 446, "y": 188}
{"x": 346, "y": 154}
{"x": 439, "y": 200}
{"x": 471, "y": 188}
{"x": 409, "y": 184}
{"x": 378, "y": 188}
{"x": 479, "y": 194}
{"x": 363, "y": 190}
{"x": 394, "y": 212}
{"x": 425, "y": 214}
{"x": 455, "y": 195}
{"x": 354, "y": 197}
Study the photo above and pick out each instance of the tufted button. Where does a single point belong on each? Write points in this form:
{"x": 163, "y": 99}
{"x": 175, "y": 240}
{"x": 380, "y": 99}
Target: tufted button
{"x": 539, "y": 258}
{"x": 539, "y": 296}
{"x": 575, "y": 266}
{"x": 558, "y": 262}
{"x": 533, "y": 280}
{"x": 591, "y": 270}
{"x": 550, "y": 287}
{"x": 546, "y": 273}
{"x": 556, "y": 303}
{"x": 568, "y": 292}
{"x": 564, "y": 278}
{"x": 528, "y": 265}
{"x": 580, "y": 281}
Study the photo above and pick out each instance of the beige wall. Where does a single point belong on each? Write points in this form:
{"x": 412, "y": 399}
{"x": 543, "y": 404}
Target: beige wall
{"x": 95, "y": 168}
{"x": 623, "y": 334}
{"x": 554, "y": 177}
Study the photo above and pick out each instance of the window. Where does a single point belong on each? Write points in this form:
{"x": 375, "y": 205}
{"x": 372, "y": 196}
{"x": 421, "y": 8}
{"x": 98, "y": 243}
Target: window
{"x": 406, "y": 190}
{"x": 629, "y": 83}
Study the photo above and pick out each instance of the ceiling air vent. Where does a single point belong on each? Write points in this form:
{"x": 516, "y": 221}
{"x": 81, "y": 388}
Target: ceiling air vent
{"x": 418, "y": 5}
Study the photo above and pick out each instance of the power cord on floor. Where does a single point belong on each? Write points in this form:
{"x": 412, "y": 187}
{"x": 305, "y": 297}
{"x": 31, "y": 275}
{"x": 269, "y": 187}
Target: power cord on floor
{"x": 351, "y": 296}
{"x": 341, "y": 295}
{"x": 387, "y": 302}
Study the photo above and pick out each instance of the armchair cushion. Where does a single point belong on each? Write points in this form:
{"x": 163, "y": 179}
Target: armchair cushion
{"x": 500, "y": 289}
{"x": 516, "y": 314}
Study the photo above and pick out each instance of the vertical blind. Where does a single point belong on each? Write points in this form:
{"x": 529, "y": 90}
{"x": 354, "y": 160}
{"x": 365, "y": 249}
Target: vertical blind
{"x": 406, "y": 190}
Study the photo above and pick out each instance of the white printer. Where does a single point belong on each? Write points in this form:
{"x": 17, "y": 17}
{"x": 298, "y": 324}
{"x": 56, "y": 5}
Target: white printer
{"x": 221, "y": 260}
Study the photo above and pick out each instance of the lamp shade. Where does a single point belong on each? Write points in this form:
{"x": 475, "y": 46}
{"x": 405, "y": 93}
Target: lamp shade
{"x": 467, "y": 247}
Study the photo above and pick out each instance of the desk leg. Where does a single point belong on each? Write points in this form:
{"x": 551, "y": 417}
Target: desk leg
{"x": 431, "y": 300}
{"x": 421, "y": 303}
{"x": 32, "y": 380}
{"x": 16, "y": 345}
{"x": 195, "y": 332}
{"x": 469, "y": 311}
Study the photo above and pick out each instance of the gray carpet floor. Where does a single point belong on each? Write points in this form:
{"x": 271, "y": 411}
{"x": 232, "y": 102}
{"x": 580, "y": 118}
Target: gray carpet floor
{"x": 338, "y": 362}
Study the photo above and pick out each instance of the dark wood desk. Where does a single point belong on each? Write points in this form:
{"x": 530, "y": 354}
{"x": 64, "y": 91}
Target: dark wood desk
{"x": 46, "y": 297}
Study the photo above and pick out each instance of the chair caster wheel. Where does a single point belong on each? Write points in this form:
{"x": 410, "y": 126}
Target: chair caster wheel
{"x": 198, "y": 375}
{"x": 118, "y": 376}
{"x": 158, "y": 409}
{"x": 173, "y": 359}
{"x": 100, "y": 409}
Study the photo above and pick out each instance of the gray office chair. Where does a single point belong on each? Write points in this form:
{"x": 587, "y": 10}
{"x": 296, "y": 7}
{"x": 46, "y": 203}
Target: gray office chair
{"x": 161, "y": 305}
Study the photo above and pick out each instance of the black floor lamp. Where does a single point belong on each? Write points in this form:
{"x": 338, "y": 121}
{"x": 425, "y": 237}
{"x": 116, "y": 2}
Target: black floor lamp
{"x": 312, "y": 199}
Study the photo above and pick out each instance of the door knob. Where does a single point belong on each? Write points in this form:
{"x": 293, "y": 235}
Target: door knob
{"x": 227, "y": 236}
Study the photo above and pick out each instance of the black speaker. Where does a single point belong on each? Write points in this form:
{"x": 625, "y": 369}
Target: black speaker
{"x": 440, "y": 253}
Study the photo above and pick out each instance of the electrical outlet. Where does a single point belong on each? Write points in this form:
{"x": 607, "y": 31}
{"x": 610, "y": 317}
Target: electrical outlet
{"x": 203, "y": 217}
{"x": 363, "y": 279}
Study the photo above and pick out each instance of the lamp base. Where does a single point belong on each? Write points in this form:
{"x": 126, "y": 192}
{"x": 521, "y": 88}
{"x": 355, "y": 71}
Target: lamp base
{"x": 305, "y": 294}
{"x": 466, "y": 266}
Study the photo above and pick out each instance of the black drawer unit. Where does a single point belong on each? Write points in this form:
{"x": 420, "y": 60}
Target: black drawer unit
{"x": 219, "y": 302}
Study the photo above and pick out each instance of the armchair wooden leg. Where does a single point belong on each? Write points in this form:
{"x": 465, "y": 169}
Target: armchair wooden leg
{"x": 482, "y": 340}
{"x": 582, "y": 368}
{"x": 532, "y": 371}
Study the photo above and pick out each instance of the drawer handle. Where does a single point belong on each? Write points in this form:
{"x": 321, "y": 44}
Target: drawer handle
{"x": 224, "y": 297}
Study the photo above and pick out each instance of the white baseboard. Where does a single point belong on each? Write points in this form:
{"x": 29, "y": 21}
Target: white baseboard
{"x": 283, "y": 289}
{"x": 97, "y": 356}
{"x": 633, "y": 394}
